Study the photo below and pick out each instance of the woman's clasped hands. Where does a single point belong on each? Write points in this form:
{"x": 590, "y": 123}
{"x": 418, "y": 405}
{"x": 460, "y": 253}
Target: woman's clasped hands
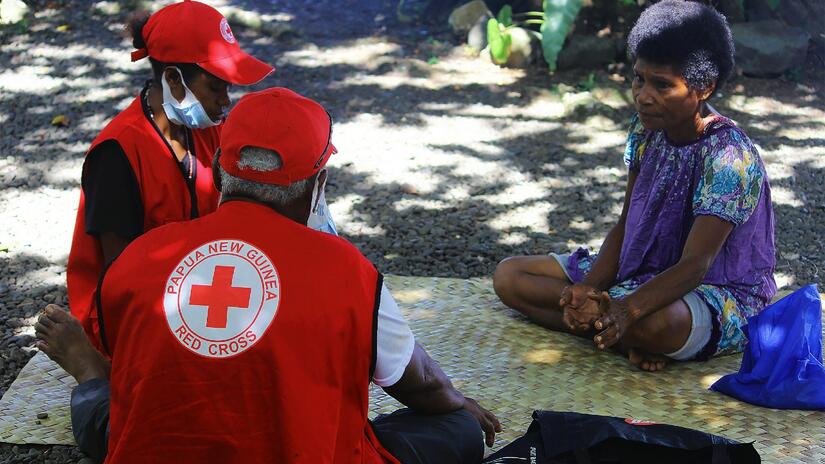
{"x": 586, "y": 308}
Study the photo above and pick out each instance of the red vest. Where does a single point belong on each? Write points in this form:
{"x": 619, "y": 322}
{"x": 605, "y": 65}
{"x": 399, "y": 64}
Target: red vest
{"x": 241, "y": 336}
{"x": 164, "y": 194}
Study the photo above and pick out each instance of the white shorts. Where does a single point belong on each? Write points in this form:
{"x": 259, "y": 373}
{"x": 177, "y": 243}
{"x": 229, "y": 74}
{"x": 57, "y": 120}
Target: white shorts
{"x": 700, "y": 314}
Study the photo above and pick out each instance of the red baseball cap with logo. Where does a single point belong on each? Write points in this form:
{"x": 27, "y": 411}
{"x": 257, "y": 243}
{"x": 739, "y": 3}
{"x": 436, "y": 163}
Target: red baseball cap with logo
{"x": 278, "y": 119}
{"x": 193, "y": 32}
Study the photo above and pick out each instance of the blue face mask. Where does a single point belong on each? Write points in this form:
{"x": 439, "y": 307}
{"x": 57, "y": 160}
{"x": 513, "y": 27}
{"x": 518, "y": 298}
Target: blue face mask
{"x": 320, "y": 218}
{"x": 188, "y": 112}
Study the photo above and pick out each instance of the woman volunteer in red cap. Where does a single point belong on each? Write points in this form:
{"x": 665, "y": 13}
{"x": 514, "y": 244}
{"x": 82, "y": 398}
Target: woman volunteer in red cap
{"x": 151, "y": 164}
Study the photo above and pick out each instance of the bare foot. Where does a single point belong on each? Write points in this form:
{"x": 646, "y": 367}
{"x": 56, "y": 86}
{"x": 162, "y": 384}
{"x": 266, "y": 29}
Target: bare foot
{"x": 61, "y": 337}
{"x": 646, "y": 361}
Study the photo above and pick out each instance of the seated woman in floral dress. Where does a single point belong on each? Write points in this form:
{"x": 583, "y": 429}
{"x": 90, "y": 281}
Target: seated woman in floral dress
{"x": 692, "y": 254}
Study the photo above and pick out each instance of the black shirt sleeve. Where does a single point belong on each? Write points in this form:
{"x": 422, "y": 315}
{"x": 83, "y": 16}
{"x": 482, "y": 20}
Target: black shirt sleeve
{"x": 113, "y": 201}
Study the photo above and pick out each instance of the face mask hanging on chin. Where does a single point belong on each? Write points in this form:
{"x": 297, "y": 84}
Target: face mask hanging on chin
{"x": 320, "y": 218}
{"x": 189, "y": 112}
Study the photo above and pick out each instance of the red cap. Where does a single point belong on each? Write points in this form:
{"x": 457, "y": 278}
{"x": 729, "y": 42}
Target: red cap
{"x": 278, "y": 119}
{"x": 193, "y": 32}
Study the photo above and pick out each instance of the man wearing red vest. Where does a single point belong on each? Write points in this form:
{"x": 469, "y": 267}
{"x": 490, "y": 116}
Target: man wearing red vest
{"x": 247, "y": 336}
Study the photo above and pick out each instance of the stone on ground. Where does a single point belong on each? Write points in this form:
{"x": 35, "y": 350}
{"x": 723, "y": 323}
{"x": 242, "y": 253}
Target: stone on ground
{"x": 769, "y": 48}
{"x": 477, "y": 36}
{"x": 525, "y": 48}
{"x": 585, "y": 51}
{"x": 464, "y": 17}
{"x": 12, "y": 11}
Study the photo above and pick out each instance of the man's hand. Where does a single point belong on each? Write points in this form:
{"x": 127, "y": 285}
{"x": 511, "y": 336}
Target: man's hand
{"x": 488, "y": 421}
{"x": 580, "y": 309}
{"x": 617, "y": 318}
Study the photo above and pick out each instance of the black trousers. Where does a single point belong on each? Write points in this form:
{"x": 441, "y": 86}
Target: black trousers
{"x": 413, "y": 438}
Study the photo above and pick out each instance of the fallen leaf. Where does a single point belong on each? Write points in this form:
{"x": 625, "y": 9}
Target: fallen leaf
{"x": 60, "y": 120}
{"x": 62, "y": 28}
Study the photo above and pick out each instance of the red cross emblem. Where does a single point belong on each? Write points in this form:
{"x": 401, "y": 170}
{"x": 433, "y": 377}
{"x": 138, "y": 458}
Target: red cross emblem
{"x": 219, "y": 297}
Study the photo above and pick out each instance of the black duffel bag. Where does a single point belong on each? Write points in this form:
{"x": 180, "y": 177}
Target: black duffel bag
{"x": 573, "y": 438}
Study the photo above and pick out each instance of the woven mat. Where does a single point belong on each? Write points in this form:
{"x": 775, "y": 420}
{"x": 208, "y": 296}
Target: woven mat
{"x": 513, "y": 367}
{"x": 510, "y": 366}
{"x": 35, "y": 408}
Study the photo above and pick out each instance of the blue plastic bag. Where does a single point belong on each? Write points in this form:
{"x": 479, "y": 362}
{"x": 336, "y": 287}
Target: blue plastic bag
{"x": 782, "y": 364}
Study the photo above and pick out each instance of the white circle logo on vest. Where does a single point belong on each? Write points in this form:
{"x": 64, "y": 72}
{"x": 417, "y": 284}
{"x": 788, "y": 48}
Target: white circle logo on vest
{"x": 221, "y": 298}
{"x": 226, "y": 32}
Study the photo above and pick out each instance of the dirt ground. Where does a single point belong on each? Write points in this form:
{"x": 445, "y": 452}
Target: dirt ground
{"x": 447, "y": 163}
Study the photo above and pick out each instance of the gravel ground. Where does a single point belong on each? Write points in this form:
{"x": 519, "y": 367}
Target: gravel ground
{"x": 447, "y": 163}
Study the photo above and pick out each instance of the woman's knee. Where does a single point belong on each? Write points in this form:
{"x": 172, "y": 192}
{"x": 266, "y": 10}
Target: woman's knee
{"x": 511, "y": 270}
{"x": 664, "y": 331}
{"x": 504, "y": 277}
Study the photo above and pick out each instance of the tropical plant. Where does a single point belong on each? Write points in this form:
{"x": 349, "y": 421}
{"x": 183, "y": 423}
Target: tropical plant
{"x": 555, "y": 23}
{"x": 498, "y": 31}
{"x": 558, "y": 19}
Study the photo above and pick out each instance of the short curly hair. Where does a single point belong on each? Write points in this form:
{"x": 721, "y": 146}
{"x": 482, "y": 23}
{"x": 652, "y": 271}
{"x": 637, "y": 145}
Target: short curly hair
{"x": 692, "y": 37}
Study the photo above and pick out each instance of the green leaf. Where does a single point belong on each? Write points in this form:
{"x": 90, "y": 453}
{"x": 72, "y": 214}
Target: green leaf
{"x": 558, "y": 19}
{"x": 499, "y": 41}
{"x": 587, "y": 84}
{"x": 537, "y": 14}
{"x": 505, "y": 16}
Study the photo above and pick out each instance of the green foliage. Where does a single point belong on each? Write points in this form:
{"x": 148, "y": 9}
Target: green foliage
{"x": 587, "y": 84}
{"x": 505, "y": 16}
{"x": 558, "y": 19}
{"x": 498, "y": 35}
{"x": 499, "y": 40}
{"x": 20, "y": 27}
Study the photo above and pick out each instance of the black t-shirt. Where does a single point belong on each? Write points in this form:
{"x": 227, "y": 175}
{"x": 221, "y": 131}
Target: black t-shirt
{"x": 113, "y": 200}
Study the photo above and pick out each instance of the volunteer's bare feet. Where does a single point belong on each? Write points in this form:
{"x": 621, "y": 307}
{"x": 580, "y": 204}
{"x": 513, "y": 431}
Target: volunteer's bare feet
{"x": 646, "y": 361}
{"x": 61, "y": 337}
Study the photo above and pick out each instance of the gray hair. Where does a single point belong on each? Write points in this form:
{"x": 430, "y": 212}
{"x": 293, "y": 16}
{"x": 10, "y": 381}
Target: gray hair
{"x": 263, "y": 160}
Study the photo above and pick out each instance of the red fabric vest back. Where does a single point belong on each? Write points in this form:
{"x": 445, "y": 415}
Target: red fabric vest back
{"x": 290, "y": 390}
{"x": 164, "y": 195}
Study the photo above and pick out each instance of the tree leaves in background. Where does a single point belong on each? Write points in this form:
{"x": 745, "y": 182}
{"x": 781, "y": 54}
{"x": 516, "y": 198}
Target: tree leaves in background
{"x": 499, "y": 40}
{"x": 558, "y": 19}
